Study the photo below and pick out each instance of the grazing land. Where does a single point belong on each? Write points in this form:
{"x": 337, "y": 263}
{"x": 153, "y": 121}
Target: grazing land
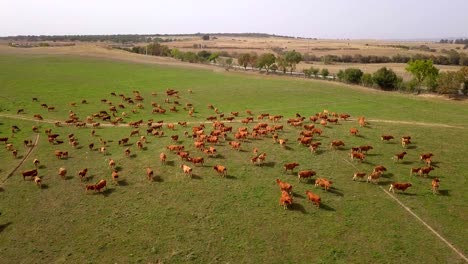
{"x": 208, "y": 218}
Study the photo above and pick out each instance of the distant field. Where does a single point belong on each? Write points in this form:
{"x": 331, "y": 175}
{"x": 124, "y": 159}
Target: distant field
{"x": 209, "y": 219}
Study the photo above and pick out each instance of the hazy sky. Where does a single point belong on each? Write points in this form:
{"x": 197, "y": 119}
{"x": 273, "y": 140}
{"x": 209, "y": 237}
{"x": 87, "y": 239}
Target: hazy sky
{"x": 381, "y": 19}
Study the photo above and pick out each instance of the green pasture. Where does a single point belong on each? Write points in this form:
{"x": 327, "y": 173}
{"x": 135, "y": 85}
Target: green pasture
{"x": 209, "y": 219}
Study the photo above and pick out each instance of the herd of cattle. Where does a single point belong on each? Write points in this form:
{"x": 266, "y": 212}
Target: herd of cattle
{"x": 206, "y": 139}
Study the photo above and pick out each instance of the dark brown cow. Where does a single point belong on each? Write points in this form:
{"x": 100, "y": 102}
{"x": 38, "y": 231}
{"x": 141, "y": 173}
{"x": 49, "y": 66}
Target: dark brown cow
{"x": 399, "y": 186}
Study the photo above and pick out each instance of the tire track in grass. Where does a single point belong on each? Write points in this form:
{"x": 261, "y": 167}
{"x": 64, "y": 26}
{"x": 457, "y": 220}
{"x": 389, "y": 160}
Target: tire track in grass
{"x": 450, "y": 245}
{"x": 22, "y": 161}
{"x": 51, "y": 121}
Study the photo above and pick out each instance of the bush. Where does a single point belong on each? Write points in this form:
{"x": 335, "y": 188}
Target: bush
{"x": 325, "y": 73}
{"x": 190, "y": 57}
{"x": 352, "y": 75}
{"x": 385, "y": 78}
{"x": 366, "y": 80}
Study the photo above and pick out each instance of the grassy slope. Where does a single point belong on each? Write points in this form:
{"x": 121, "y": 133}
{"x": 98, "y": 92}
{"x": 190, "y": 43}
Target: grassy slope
{"x": 219, "y": 220}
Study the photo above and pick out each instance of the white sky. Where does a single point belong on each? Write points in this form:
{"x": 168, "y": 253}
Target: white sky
{"x": 380, "y": 19}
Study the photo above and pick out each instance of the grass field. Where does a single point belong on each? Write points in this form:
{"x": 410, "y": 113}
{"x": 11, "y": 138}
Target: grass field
{"x": 236, "y": 219}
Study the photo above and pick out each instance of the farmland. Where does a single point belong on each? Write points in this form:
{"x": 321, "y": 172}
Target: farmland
{"x": 209, "y": 219}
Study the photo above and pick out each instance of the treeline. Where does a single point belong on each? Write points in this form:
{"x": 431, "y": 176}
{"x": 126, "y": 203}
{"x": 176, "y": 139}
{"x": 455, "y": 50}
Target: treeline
{"x": 130, "y": 38}
{"x": 452, "y": 57}
{"x": 455, "y": 41}
{"x": 426, "y": 75}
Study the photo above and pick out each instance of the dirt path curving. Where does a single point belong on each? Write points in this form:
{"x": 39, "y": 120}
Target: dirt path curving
{"x": 51, "y": 121}
{"x": 23, "y": 159}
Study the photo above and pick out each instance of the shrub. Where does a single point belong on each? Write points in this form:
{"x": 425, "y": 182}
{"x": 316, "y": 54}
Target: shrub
{"x": 352, "y": 75}
{"x": 366, "y": 80}
{"x": 385, "y": 78}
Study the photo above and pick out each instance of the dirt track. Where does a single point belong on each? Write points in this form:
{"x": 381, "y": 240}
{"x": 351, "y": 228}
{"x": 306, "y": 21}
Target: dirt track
{"x": 412, "y": 123}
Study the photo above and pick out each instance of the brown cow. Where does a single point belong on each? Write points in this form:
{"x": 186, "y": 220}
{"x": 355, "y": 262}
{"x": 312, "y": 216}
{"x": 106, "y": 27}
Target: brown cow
{"x": 284, "y": 186}
{"x": 336, "y": 143}
{"x": 386, "y": 137}
{"x": 100, "y": 185}
{"x": 425, "y": 156}
{"x": 305, "y": 140}
{"x": 435, "y": 185}
{"x": 424, "y": 171}
{"x": 399, "y": 156}
{"x": 62, "y": 172}
{"x": 163, "y": 158}
{"x": 283, "y": 142}
{"x": 359, "y": 175}
{"x": 414, "y": 170}
{"x": 379, "y": 168}
{"x": 362, "y": 121}
{"x": 115, "y": 177}
{"x": 305, "y": 174}
{"x": 285, "y": 200}
{"x": 127, "y": 152}
{"x": 183, "y": 155}
{"x": 139, "y": 145}
{"x": 290, "y": 166}
{"x": 38, "y": 181}
{"x": 353, "y": 131}
{"x": 149, "y": 174}
{"x": 314, "y": 198}
{"x": 111, "y": 163}
{"x": 365, "y": 148}
{"x": 235, "y": 145}
{"x": 314, "y": 146}
{"x": 196, "y": 160}
{"x": 374, "y": 176}
{"x": 29, "y": 173}
{"x": 82, "y": 173}
{"x": 36, "y": 163}
{"x": 357, "y": 155}
{"x": 399, "y": 186}
{"x": 175, "y": 147}
{"x": 186, "y": 169}
{"x": 123, "y": 141}
{"x": 322, "y": 182}
{"x": 405, "y": 142}
{"x": 4, "y": 140}
{"x": 221, "y": 170}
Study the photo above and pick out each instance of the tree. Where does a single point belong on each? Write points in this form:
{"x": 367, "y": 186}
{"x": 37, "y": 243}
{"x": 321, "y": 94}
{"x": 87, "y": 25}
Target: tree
{"x": 449, "y": 82}
{"x": 244, "y": 60}
{"x": 282, "y": 64}
{"x": 454, "y": 57}
{"x": 213, "y": 57}
{"x": 274, "y": 68}
{"x": 292, "y": 58}
{"x": 366, "y": 80}
{"x": 352, "y": 75}
{"x": 204, "y": 55}
{"x": 464, "y": 75}
{"x": 266, "y": 60}
{"x": 385, "y": 78}
{"x": 177, "y": 54}
{"x": 253, "y": 60}
{"x": 463, "y": 59}
{"x": 314, "y": 71}
{"x": 307, "y": 73}
{"x": 340, "y": 75}
{"x": 325, "y": 73}
{"x": 190, "y": 57}
{"x": 421, "y": 70}
{"x": 229, "y": 63}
